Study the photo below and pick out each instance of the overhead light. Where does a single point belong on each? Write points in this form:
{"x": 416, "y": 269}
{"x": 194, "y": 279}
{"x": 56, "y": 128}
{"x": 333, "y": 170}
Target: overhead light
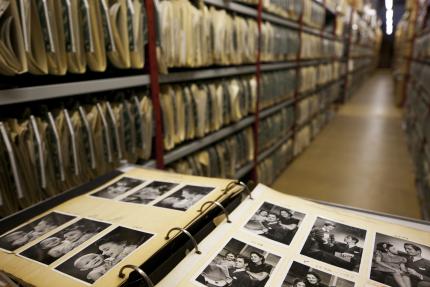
{"x": 389, "y": 4}
{"x": 389, "y": 14}
{"x": 389, "y": 30}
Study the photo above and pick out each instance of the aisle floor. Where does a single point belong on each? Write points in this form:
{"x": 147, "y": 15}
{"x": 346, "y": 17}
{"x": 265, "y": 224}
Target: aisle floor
{"x": 360, "y": 158}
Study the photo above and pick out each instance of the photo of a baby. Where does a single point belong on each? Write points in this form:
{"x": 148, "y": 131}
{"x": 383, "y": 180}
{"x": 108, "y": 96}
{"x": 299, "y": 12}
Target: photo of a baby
{"x": 150, "y": 192}
{"x": 98, "y": 258}
{"x": 50, "y": 249}
{"x": 185, "y": 197}
{"x": 118, "y": 188}
{"x": 33, "y": 230}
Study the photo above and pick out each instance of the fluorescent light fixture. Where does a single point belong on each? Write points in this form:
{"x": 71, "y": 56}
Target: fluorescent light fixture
{"x": 389, "y": 30}
{"x": 389, "y": 4}
{"x": 389, "y": 14}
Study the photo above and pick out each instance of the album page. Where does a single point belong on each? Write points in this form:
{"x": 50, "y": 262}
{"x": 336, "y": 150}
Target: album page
{"x": 283, "y": 241}
{"x": 86, "y": 240}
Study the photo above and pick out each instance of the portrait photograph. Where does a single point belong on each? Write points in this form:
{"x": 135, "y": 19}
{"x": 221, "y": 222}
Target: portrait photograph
{"x": 275, "y": 222}
{"x": 33, "y": 230}
{"x": 98, "y": 258}
{"x": 185, "y": 197}
{"x": 301, "y": 275}
{"x": 400, "y": 263}
{"x": 335, "y": 243}
{"x": 118, "y": 188}
{"x": 239, "y": 265}
{"x": 62, "y": 242}
{"x": 150, "y": 192}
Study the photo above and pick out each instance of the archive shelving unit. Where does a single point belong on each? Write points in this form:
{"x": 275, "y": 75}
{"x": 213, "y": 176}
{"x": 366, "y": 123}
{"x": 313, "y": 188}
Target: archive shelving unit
{"x": 151, "y": 78}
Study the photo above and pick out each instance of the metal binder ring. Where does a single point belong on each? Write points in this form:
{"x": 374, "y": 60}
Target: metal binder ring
{"x": 230, "y": 185}
{"x": 196, "y": 247}
{"x": 220, "y": 205}
{"x": 246, "y": 189}
{"x": 138, "y": 270}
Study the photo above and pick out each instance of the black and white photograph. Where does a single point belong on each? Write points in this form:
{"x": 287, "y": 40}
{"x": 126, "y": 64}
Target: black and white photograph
{"x": 150, "y": 192}
{"x": 185, "y": 197}
{"x": 33, "y": 230}
{"x": 335, "y": 243}
{"x": 62, "y": 242}
{"x": 239, "y": 265}
{"x": 400, "y": 263}
{"x": 301, "y": 275}
{"x": 98, "y": 258}
{"x": 275, "y": 222}
{"x": 118, "y": 188}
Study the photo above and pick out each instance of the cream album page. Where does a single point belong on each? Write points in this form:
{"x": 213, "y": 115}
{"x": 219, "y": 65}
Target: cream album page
{"x": 283, "y": 241}
{"x": 86, "y": 240}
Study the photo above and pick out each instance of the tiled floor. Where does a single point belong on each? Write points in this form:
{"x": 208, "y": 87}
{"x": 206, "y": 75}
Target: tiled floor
{"x": 360, "y": 158}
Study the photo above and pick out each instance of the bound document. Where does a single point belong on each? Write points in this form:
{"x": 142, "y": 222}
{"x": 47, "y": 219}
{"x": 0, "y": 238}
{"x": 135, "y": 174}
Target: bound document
{"x": 124, "y": 221}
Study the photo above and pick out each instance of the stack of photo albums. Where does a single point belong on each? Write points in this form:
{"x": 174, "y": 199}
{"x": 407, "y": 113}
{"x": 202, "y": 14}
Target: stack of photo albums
{"x": 138, "y": 219}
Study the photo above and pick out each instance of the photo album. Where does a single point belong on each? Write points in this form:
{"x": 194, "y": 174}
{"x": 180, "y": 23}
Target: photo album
{"x": 87, "y": 240}
{"x": 269, "y": 239}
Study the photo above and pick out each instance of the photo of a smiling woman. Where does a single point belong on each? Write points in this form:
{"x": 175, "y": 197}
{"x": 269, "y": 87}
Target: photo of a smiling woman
{"x": 98, "y": 258}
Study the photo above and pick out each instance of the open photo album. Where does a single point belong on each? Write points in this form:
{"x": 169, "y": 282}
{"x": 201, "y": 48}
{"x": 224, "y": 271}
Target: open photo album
{"x": 136, "y": 218}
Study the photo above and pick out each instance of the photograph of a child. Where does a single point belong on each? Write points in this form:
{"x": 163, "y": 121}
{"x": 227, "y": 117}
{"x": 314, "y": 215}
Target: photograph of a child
{"x": 301, "y": 275}
{"x": 60, "y": 243}
{"x": 118, "y": 188}
{"x": 400, "y": 263}
{"x": 185, "y": 197}
{"x": 336, "y": 244}
{"x": 239, "y": 265}
{"x": 33, "y": 230}
{"x": 150, "y": 192}
{"x": 98, "y": 258}
{"x": 275, "y": 222}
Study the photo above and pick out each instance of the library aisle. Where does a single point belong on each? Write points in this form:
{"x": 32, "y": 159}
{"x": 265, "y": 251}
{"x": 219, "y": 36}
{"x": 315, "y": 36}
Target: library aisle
{"x": 361, "y": 158}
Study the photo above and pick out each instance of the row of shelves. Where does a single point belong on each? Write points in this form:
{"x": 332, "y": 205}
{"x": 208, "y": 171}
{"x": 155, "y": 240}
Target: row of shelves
{"x": 45, "y": 92}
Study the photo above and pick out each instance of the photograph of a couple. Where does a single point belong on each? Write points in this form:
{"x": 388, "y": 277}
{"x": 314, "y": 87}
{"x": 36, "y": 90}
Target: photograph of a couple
{"x": 400, "y": 263}
{"x": 118, "y": 188}
{"x": 185, "y": 197}
{"x": 275, "y": 222}
{"x": 239, "y": 265}
{"x": 150, "y": 192}
{"x": 301, "y": 275}
{"x": 95, "y": 260}
{"x": 336, "y": 244}
{"x": 33, "y": 230}
{"x": 58, "y": 244}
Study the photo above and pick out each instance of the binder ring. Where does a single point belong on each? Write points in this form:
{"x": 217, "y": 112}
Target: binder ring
{"x": 220, "y": 205}
{"x": 246, "y": 188}
{"x": 193, "y": 240}
{"x": 138, "y": 270}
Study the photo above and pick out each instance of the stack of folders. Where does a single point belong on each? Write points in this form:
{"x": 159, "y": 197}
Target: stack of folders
{"x": 331, "y": 49}
{"x": 278, "y": 43}
{"x": 328, "y": 72}
{"x": 223, "y": 159}
{"x": 269, "y": 168}
{"x": 307, "y": 79}
{"x": 306, "y": 108}
{"x": 45, "y": 153}
{"x": 277, "y": 87}
{"x": 192, "y": 111}
{"x": 311, "y": 47}
{"x": 313, "y": 14}
{"x": 201, "y": 36}
{"x": 275, "y": 127}
{"x": 302, "y": 140}
{"x": 57, "y": 37}
{"x": 290, "y": 9}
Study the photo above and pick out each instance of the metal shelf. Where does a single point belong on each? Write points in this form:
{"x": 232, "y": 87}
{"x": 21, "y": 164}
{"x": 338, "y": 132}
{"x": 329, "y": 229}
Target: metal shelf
{"x": 35, "y": 93}
{"x": 280, "y": 21}
{"x": 244, "y": 170}
{"x": 262, "y": 156}
{"x": 210, "y": 73}
{"x": 233, "y": 6}
{"x": 269, "y": 111}
{"x": 198, "y": 144}
{"x": 266, "y": 67}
